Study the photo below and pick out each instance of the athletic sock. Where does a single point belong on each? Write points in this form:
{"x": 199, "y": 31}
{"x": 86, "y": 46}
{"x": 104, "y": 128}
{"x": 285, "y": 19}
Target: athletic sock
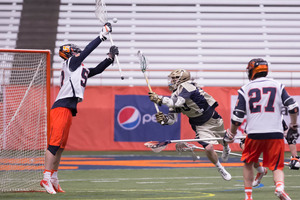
{"x": 47, "y": 174}
{"x": 218, "y": 165}
{"x": 279, "y": 185}
{"x": 248, "y": 193}
{"x": 54, "y": 174}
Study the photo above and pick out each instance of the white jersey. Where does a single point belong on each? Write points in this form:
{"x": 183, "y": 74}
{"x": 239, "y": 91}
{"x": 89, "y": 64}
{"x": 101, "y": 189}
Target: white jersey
{"x": 72, "y": 82}
{"x": 263, "y": 103}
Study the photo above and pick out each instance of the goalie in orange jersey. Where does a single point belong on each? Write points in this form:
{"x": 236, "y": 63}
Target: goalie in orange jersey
{"x": 73, "y": 82}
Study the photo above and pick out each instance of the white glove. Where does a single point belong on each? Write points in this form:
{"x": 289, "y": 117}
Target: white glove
{"x": 229, "y": 137}
{"x": 107, "y": 28}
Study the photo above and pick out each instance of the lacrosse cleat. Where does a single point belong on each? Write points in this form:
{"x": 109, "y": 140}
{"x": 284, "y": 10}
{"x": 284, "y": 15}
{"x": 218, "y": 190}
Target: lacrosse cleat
{"x": 225, "y": 175}
{"x": 56, "y": 185}
{"x": 258, "y": 178}
{"x": 225, "y": 153}
{"x": 48, "y": 186}
{"x": 282, "y": 195}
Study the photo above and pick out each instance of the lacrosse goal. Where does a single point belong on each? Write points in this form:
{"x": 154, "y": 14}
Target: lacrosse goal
{"x": 24, "y": 111}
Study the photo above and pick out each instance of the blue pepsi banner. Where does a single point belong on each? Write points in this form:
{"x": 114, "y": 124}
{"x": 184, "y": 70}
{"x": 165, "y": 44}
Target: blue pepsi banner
{"x": 135, "y": 121}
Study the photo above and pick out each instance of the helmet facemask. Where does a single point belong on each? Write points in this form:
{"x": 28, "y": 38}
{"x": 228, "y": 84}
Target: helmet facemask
{"x": 177, "y": 77}
{"x": 68, "y": 50}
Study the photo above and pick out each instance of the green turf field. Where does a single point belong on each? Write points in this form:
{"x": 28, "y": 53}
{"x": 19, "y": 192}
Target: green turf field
{"x": 178, "y": 183}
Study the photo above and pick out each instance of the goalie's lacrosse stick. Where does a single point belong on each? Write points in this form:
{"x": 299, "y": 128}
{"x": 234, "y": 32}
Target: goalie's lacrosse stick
{"x": 101, "y": 14}
{"x": 144, "y": 65}
{"x": 159, "y": 146}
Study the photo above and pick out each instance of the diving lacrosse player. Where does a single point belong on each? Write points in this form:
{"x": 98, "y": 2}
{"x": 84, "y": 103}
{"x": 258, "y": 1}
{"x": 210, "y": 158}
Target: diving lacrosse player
{"x": 188, "y": 98}
{"x": 73, "y": 82}
{"x": 261, "y": 101}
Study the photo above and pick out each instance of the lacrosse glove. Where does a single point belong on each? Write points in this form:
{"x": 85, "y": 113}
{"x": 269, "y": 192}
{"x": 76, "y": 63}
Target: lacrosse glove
{"x": 107, "y": 28}
{"x": 229, "y": 137}
{"x": 294, "y": 163}
{"x": 155, "y": 98}
{"x": 113, "y": 51}
{"x": 161, "y": 118}
{"x": 292, "y": 135}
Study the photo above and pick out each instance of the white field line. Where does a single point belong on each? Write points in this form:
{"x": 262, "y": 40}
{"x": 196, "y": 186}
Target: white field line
{"x": 150, "y": 182}
{"x": 147, "y": 178}
{"x": 160, "y": 178}
{"x": 199, "y": 183}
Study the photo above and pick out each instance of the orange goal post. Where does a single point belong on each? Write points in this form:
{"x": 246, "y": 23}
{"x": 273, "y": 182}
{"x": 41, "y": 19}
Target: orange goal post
{"x": 24, "y": 121}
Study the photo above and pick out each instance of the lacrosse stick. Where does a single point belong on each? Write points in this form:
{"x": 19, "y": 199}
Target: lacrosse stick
{"x": 101, "y": 14}
{"x": 184, "y": 146}
{"x": 159, "y": 146}
{"x": 144, "y": 66}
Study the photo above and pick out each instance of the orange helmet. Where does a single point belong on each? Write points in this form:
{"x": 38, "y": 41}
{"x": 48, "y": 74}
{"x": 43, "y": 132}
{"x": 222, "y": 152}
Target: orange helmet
{"x": 68, "y": 50}
{"x": 257, "y": 66}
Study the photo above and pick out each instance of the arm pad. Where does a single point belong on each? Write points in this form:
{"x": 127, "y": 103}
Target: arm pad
{"x": 237, "y": 117}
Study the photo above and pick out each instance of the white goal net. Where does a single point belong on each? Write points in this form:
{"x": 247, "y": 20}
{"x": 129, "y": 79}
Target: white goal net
{"x": 24, "y": 104}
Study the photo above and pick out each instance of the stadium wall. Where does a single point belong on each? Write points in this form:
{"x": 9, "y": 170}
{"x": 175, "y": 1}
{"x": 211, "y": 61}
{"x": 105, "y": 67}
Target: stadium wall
{"x": 115, "y": 118}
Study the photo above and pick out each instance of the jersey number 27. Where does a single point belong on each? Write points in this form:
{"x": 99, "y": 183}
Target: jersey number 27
{"x": 255, "y": 96}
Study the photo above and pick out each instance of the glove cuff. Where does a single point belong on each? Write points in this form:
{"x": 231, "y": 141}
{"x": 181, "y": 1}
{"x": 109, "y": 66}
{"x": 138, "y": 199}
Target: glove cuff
{"x": 294, "y": 126}
{"x": 102, "y": 37}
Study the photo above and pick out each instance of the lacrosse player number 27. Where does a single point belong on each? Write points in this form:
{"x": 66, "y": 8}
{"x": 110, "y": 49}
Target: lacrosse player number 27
{"x": 255, "y": 95}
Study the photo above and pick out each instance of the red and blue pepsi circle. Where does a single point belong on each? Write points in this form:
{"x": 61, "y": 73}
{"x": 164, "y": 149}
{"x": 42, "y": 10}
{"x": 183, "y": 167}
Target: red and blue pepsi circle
{"x": 129, "y": 117}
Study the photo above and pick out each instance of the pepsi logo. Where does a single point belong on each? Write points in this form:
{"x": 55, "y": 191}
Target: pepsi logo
{"x": 129, "y": 118}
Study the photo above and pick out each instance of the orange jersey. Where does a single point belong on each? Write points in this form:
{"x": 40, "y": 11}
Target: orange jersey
{"x": 60, "y": 122}
{"x": 272, "y": 149}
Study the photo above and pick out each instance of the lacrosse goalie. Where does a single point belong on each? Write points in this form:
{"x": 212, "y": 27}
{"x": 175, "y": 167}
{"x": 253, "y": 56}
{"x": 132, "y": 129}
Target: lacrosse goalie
{"x": 74, "y": 76}
{"x": 199, "y": 107}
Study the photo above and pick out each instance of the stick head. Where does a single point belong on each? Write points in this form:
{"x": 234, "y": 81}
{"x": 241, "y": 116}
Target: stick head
{"x": 100, "y": 11}
{"x": 184, "y": 146}
{"x": 156, "y": 146}
{"x": 143, "y": 61}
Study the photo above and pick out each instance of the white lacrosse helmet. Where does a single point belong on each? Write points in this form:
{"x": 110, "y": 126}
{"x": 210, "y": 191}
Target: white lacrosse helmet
{"x": 177, "y": 77}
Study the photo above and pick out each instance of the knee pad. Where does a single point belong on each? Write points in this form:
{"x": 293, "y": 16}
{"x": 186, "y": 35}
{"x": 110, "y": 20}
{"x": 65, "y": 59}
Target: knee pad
{"x": 53, "y": 149}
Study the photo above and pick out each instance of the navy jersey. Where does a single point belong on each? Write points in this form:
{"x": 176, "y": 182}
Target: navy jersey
{"x": 193, "y": 102}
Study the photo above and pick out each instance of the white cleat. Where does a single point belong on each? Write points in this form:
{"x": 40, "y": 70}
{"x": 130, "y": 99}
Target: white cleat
{"x": 225, "y": 175}
{"x": 258, "y": 178}
{"x": 56, "y": 186}
{"x": 48, "y": 186}
{"x": 282, "y": 195}
{"x": 225, "y": 153}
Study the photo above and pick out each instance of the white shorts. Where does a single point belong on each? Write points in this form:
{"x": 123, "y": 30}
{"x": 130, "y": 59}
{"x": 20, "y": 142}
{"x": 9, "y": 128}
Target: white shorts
{"x": 213, "y": 128}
